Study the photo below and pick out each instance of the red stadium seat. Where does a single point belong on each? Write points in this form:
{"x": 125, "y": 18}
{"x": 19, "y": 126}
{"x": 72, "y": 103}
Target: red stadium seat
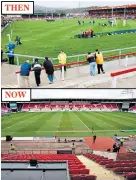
{"x": 118, "y": 170}
{"x": 130, "y": 176}
{"x": 134, "y": 169}
{"x": 127, "y": 169}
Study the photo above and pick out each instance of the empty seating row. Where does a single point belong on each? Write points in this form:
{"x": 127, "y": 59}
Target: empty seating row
{"x": 133, "y": 108}
{"x": 119, "y": 167}
{"x": 4, "y": 108}
{"x": 69, "y": 105}
{"x": 74, "y": 164}
{"x": 83, "y": 177}
{"x": 130, "y": 176}
{"x": 121, "y": 170}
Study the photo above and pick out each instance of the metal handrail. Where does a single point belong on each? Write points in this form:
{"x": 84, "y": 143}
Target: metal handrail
{"x": 79, "y": 55}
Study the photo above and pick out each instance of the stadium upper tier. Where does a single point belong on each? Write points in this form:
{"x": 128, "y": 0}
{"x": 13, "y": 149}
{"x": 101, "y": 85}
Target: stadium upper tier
{"x": 116, "y": 11}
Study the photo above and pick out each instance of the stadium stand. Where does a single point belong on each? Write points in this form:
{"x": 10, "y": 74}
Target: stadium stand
{"x": 72, "y": 106}
{"x": 133, "y": 108}
{"x": 118, "y": 11}
{"x": 4, "y": 108}
{"x": 125, "y": 167}
{"x": 75, "y": 166}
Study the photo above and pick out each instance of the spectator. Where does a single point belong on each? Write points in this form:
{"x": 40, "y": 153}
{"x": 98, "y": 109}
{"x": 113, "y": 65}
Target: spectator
{"x": 11, "y": 45}
{"x": 3, "y": 59}
{"x": 90, "y": 58}
{"x": 62, "y": 60}
{"x": 11, "y": 56}
{"x": 1, "y": 54}
{"x": 99, "y": 61}
{"x": 118, "y": 148}
{"x": 49, "y": 69}
{"x": 12, "y": 147}
{"x": 24, "y": 73}
{"x": 94, "y": 138}
{"x": 114, "y": 147}
{"x": 59, "y": 140}
{"x": 73, "y": 148}
{"x": 65, "y": 140}
{"x": 121, "y": 141}
{"x": 37, "y": 71}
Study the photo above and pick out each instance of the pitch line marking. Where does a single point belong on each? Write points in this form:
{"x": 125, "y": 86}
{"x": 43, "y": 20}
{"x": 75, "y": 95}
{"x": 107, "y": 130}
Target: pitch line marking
{"x": 73, "y": 131}
{"x": 84, "y": 123}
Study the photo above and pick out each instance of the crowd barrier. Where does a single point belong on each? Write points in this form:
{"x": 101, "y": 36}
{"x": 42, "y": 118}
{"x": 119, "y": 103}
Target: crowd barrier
{"x": 44, "y": 151}
{"x": 82, "y": 63}
{"x": 77, "y": 58}
{"x": 114, "y": 75}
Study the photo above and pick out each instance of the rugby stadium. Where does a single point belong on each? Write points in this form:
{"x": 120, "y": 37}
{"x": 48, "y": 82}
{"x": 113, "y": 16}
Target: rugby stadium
{"x": 46, "y": 34}
{"x": 71, "y": 134}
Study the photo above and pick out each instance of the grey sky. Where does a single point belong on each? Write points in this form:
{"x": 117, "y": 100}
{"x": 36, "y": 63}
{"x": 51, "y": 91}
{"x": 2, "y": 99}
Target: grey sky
{"x": 83, "y": 93}
{"x": 74, "y": 4}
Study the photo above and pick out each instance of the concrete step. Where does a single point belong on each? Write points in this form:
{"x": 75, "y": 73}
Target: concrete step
{"x": 98, "y": 170}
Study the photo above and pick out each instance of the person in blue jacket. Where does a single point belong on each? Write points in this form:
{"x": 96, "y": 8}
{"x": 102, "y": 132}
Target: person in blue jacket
{"x": 24, "y": 73}
{"x": 10, "y": 45}
{"x": 10, "y": 53}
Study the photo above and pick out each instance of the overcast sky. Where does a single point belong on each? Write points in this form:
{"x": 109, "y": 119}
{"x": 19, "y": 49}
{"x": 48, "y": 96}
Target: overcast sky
{"x": 75, "y": 3}
{"x": 83, "y": 93}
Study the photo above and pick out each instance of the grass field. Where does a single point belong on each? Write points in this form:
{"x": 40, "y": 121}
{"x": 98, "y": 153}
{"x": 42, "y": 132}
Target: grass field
{"x": 66, "y": 124}
{"x": 41, "y": 38}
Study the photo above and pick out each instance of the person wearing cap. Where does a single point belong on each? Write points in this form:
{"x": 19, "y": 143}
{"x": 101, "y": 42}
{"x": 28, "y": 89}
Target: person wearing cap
{"x": 37, "y": 67}
{"x": 24, "y": 73}
{"x": 48, "y": 66}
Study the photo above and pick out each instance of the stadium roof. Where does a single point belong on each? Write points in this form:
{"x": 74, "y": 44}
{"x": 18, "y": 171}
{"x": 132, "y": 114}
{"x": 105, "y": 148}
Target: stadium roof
{"x": 114, "y": 7}
{"x": 39, "y": 94}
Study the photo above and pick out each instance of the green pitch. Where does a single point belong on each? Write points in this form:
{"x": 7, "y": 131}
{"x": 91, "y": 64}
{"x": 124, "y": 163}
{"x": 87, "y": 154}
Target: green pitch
{"x": 66, "y": 124}
{"x": 41, "y": 38}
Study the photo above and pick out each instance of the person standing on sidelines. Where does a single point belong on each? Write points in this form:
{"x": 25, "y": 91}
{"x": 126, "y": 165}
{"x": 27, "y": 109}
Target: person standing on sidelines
{"x": 49, "y": 69}
{"x": 99, "y": 61}
{"x": 24, "y": 73}
{"x": 92, "y": 130}
{"x": 94, "y": 138}
{"x": 37, "y": 67}
{"x": 10, "y": 53}
{"x": 73, "y": 148}
{"x": 91, "y": 59}
{"x": 62, "y": 61}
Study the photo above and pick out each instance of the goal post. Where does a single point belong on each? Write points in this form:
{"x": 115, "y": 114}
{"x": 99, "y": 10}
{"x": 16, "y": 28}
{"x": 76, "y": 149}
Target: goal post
{"x": 113, "y": 20}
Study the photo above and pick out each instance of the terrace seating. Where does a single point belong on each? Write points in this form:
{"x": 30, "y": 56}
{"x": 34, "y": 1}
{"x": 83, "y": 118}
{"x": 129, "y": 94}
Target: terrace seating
{"x": 83, "y": 177}
{"x": 133, "y": 108}
{"x": 74, "y": 164}
{"x": 130, "y": 176}
{"x": 4, "y": 108}
{"x": 25, "y": 107}
{"x": 66, "y": 105}
{"x": 34, "y": 106}
{"x": 118, "y": 167}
